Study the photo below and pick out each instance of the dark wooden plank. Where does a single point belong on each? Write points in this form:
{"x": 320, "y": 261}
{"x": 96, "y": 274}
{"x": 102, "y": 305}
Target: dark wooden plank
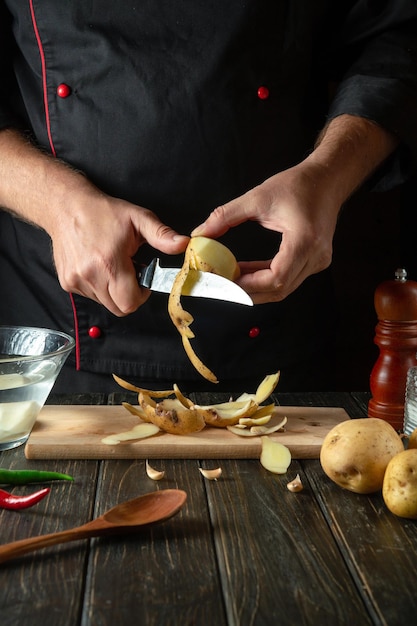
{"x": 317, "y": 398}
{"x": 379, "y": 548}
{"x": 279, "y": 563}
{"x": 278, "y": 560}
{"x": 46, "y": 587}
{"x": 163, "y": 575}
{"x": 77, "y": 398}
{"x": 362, "y": 398}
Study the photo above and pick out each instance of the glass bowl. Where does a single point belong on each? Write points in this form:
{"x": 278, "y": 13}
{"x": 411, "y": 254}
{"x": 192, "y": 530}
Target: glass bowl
{"x": 30, "y": 361}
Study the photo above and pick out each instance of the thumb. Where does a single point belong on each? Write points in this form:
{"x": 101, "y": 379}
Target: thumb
{"x": 160, "y": 236}
{"x": 221, "y": 220}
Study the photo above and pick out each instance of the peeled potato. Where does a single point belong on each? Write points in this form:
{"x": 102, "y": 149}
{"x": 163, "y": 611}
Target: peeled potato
{"x": 355, "y": 453}
{"x": 209, "y": 255}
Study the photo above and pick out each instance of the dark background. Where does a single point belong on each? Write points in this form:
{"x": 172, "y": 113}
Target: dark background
{"x": 376, "y": 234}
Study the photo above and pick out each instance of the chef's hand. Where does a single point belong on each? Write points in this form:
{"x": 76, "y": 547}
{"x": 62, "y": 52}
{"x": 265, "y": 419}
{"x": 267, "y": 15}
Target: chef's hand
{"x": 303, "y": 203}
{"x": 93, "y": 250}
{"x": 94, "y": 236}
{"x": 291, "y": 203}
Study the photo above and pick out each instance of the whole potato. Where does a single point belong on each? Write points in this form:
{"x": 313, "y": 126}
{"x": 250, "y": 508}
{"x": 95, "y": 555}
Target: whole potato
{"x": 399, "y": 489}
{"x": 355, "y": 453}
{"x": 412, "y": 440}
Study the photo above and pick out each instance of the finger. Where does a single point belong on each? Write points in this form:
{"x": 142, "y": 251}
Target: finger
{"x": 124, "y": 293}
{"x": 222, "y": 219}
{"x": 274, "y": 280}
{"x": 159, "y": 235}
{"x": 118, "y": 291}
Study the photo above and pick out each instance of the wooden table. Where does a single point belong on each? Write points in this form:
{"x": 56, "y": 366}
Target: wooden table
{"x": 243, "y": 550}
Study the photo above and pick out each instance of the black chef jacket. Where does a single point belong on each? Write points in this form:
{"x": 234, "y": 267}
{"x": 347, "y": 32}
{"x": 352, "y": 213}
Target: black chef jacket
{"x": 178, "y": 107}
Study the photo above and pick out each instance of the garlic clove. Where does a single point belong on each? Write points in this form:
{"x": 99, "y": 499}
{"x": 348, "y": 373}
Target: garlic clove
{"x": 295, "y": 485}
{"x": 211, "y": 474}
{"x": 153, "y": 473}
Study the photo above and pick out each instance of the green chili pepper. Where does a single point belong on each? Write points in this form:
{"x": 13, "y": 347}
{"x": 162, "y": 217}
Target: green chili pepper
{"x": 23, "y": 477}
{"x": 10, "y": 501}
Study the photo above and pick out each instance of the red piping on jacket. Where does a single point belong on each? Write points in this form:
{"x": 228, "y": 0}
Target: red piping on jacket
{"x": 77, "y": 333}
{"x": 44, "y": 85}
{"x": 51, "y": 144}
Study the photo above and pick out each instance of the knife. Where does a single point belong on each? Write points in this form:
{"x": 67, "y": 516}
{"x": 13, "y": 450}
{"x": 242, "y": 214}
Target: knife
{"x": 198, "y": 284}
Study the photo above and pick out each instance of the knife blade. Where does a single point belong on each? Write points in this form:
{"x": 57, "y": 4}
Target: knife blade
{"x": 198, "y": 284}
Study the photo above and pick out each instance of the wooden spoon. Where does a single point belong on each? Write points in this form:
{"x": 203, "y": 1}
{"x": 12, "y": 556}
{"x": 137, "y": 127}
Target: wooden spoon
{"x": 125, "y": 517}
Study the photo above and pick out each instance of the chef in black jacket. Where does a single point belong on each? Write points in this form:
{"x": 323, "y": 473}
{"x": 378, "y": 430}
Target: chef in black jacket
{"x": 124, "y": 126}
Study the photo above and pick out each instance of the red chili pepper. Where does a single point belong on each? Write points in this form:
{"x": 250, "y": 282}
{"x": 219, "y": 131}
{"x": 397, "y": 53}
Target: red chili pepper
{"x": 11, "y": 501}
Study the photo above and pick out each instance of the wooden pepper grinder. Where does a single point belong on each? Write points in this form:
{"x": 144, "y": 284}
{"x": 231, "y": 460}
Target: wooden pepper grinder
{"x": 396, "y": 336}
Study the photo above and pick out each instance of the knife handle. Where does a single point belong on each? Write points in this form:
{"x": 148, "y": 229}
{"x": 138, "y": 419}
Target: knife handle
{"x": 145, "y": 275}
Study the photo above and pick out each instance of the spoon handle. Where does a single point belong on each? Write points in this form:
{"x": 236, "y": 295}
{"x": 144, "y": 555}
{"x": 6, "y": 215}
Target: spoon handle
{"x": 23, "y": 546}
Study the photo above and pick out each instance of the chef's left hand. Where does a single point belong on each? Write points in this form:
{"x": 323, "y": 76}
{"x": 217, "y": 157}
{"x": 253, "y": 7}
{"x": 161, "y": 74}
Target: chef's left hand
{"x": 302, "y": 203}
{"x": 297, "y": 203}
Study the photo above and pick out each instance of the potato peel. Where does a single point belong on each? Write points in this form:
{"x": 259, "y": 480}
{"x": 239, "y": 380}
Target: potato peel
{"x": 171, "y": 416}
{"x": 197, "y": 362}
{"x": 155, "y": 394}
{"x": 266, "y": 387}
{"x": 226, "y": 413}
{"x": 140, "y": 431}
{"x": 173, "y": 412}
{"x": 241, "y": 431}
{"x": 255, "y": 421}
{"x": 267, "y": 430}
{"x": 135, "y": 410}
{"x": 207, "y": 255}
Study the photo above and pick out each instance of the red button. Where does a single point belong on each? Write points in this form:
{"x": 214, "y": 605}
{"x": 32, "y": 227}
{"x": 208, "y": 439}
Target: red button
{"x": 263, "y": 92}
{"x": 254, "y": 332}
{"x": 63, "y": 90}
{"x": 94, "y": 332}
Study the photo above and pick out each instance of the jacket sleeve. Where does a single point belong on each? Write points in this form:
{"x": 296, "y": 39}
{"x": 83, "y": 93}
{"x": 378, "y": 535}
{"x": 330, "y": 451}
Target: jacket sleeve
{"x": 12, "y": 113}
{"x": 376, "y": 74}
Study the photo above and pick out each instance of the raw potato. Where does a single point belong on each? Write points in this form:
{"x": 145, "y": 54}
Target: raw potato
{"x": 399, "y": 488}
{"x": 355, "y": 453}
{"x": 275, "y": 457}
{"x": 206, "y": 255}
{"x": 412, "y": 440}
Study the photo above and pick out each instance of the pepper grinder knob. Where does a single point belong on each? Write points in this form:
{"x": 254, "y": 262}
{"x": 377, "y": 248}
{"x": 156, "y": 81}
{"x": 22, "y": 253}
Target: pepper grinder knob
{"x": 395, "y": 304}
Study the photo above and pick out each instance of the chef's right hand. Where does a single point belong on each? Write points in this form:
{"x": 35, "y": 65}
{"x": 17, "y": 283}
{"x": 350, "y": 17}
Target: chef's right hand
{"x": 93, "y": 246}
{"x": 94, "y": 236}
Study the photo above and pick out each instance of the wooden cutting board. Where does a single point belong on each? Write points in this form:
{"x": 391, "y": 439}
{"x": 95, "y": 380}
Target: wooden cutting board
{"x": 76, "y": 432}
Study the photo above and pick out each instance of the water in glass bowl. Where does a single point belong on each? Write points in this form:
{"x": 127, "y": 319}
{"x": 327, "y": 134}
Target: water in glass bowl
{"x": 21, "y": 398}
